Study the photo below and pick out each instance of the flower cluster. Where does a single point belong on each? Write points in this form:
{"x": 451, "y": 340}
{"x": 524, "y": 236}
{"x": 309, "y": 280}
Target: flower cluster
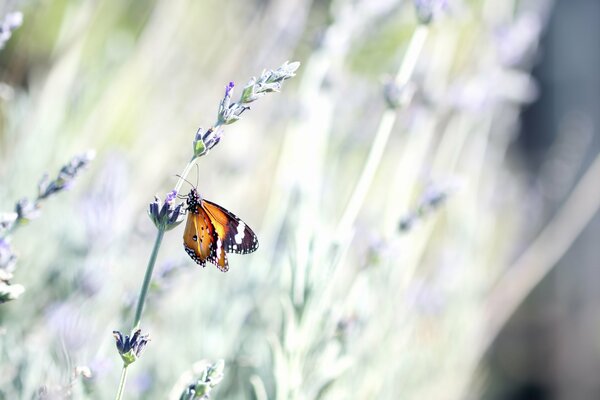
{"x": 10, "y": 22}
{"x": 205, "y": 141}
{"x": 230, "y": 112}
{"x": 166, "y": 215}
{"x": 427, "y": 10}
{"x": 396, "y": 95}
{"x": 431, "y": 200}
{"x": 209, "y": 377}
{"x": 131, "y": 347}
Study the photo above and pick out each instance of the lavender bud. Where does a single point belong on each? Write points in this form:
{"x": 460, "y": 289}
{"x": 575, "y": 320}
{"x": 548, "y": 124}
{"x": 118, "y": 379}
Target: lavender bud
{"x": 398, "y": 95}
{"x": 131, "y": 348}
{"x": 428, "y": 9}
{"x": 10, "y": 292}
{"x": 200, "y": 147}
{"x": 166, "y": 215}
{"x": 26, "y": 210}
{"x": 7, "y": 221}
{"x": 8, "y": 258}
{"x": 209, "y": 377}
{"x": 225, "y": 107}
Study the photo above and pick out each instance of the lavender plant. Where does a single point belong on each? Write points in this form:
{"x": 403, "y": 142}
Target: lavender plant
{"x": 167, "y": 214}
{"x": 339, "y": 303}
{"x": 27, "y": 210}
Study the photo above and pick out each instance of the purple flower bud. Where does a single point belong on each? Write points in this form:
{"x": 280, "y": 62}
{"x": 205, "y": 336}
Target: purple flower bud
{"x": 170, "y": 196}
{"x": 166, "y": 215}
{"x": 8, "y": 259}
{"x": 228, "y": 89}
{"x": 131, "y": 348}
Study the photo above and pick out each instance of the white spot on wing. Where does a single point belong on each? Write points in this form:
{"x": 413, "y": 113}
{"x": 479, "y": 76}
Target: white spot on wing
{"x": 218, "y": 247}
{"x": 240, "y": 233}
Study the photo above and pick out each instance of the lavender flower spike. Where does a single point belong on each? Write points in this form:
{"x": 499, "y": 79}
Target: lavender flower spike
{"x": 66, "y": 176}
{"x": 269, "y": 81}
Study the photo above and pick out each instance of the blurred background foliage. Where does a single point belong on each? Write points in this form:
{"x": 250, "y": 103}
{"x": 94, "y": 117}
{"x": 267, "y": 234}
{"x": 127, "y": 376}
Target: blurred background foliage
{"x": 384, "y": 286}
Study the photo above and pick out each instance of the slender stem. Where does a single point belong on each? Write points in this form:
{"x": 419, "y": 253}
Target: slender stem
{"x": 185, "y": 173}
{"x": 122, "y": 383}
{"x": 142, "y": 300}
{"x": 383, "y": 133}
{"x": 545, "y": 252}
{"x": 147, "y": 278}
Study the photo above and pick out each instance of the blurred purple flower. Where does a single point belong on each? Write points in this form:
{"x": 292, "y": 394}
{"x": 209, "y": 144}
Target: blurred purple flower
{"x": 427, "y": 10}
{"x": 517, "y": 42}
{"x": 68, "y": 322}
{"x": 66, "y": 176}
{"x": 425, "y": 297}
{"x": 103, "y": 216}
{"x": 141, "y": 384}
{"x": 100, "y": 367}
{"x": 10, "y": 22}
{"x": 26, "y": 210}
{"x": 7, "y": 221}
{"x": 8, "y": 258}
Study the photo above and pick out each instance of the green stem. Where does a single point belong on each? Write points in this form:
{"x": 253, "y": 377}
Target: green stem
{"x": 147, "y": 278}
{"x": 142, "y": 300}
{"x": 384, "y": 130}
{"x": 122, "y": 383}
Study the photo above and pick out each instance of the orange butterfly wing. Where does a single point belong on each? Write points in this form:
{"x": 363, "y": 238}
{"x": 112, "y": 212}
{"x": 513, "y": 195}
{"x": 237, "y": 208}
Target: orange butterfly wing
{"x": 198, "y": 236}
{"x": 235, "y": 235}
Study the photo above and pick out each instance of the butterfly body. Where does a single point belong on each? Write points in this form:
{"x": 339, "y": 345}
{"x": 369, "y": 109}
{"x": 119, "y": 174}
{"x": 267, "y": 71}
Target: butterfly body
{"x": 211, "y": 231}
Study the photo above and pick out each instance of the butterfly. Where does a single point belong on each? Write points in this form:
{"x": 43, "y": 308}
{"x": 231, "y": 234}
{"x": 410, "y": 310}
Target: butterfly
{"x": 211, "y": 231}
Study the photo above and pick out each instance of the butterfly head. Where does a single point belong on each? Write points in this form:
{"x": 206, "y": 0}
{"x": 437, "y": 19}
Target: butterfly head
{"x": 193, "y": 199}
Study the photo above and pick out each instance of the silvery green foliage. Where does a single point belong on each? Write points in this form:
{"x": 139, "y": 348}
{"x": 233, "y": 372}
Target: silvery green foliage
{"x": 269, "y": 81}
{"x": 166, "y": 215}
{"x": 207, "y": 377}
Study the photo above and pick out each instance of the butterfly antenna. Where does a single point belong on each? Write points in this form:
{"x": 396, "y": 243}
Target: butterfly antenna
{"x": 181, "y": 177}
